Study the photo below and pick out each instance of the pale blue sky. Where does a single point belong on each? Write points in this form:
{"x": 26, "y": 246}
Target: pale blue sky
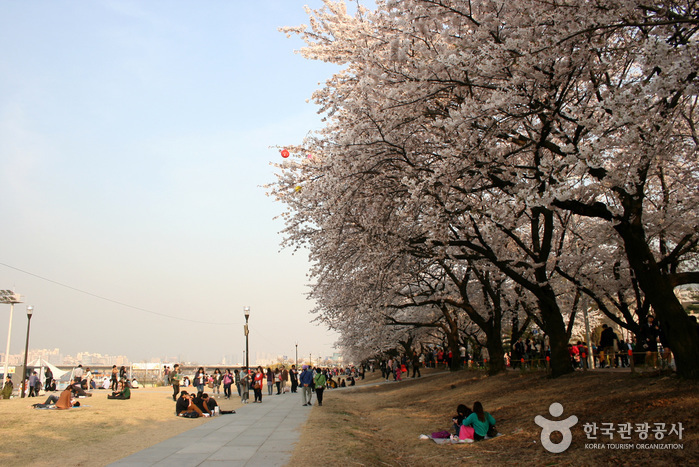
{"x": 134, "y": 140}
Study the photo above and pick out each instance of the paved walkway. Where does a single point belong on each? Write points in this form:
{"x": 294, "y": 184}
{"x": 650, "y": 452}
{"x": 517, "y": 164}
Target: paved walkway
{"x": 256, "y": 435}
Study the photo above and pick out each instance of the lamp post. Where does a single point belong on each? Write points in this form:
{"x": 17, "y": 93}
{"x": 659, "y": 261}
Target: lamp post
{"x": 30, "y": 311}
{"x": 246, "y": 310}
{"x": 8, "y": 296}
{"x": 297, "y": 354}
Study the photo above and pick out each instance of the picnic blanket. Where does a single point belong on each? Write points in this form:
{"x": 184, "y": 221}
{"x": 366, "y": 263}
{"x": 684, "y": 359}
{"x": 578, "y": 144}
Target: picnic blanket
{"x": 453, "y": 439}
{"x": 53, "y": 407}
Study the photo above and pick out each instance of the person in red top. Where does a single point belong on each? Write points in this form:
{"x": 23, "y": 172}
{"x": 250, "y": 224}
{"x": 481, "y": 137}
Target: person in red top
{"x": 258, "y": 380}
{"x": 582, "y": 351}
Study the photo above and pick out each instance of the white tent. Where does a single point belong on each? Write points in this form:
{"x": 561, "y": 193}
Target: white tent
{"x": 41, "y": 363}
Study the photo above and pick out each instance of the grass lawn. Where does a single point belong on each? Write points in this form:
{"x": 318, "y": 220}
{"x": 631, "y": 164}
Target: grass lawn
{"x": 98, "y": 433}
{"x": 380, "y": 425}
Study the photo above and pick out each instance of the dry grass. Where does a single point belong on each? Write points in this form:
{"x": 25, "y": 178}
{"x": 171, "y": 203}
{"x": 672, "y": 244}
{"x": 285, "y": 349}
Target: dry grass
{"x": 380, "y": 425}
{"x": 101, "y": 432}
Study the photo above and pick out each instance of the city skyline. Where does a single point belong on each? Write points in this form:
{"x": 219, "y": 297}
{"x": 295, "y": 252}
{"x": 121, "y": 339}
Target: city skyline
{"x": 85, "y": 358}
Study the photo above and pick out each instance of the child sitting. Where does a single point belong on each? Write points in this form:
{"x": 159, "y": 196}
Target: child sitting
{"x": 461, "y": 413}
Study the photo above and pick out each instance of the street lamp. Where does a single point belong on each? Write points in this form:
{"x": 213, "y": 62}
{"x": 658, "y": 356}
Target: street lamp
{"x": 8, "y": 296}
{"x": 297, "y": 354}
{"x": 30, "y": 311}
{"x": 246, "y": 310}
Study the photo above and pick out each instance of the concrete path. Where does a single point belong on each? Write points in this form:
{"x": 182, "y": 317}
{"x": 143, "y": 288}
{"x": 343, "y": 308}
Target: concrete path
{"x": 256, "y": 435}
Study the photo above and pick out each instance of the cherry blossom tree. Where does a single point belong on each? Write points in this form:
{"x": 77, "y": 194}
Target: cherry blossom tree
{"x": 473, "y": 129}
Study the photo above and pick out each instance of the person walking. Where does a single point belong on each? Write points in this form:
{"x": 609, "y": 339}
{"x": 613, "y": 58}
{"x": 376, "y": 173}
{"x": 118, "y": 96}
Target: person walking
{"x": 416, "y": 365}
{"x": 200, "y": 381}
{"x": 8, "y": 387}
{"x": 88, "y": 379}
{"x": 227, "y": 381}
{"x": 34, "y": 385}
{"x": 285, "y": 378}
{"x": 244, "y": 385}
{"x": 218, "y": 377}
{"x": 258, "y": 380}
{"x": 78, "y": 374}
{"x": 48, "y": 379}
{"x": 319, "y": 381}
{"x": 270, "y": 381}
{"x": 175, "y": 377}
{"x": 236, "y": 379}
{"x": 606, "y": 346}
{"x": 114, "y": 381}
{"x": 278, "y": 380}
{"x": 306, "y": 380}
{"x": 294, "y": 375}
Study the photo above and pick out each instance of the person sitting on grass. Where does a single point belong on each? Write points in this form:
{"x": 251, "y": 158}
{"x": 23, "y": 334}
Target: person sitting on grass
{"x": 482, "y": 422}
{"x": 64, "y": 401}
{"x": 461, "y": 412}
{"x": 205, "y": 403}
{"x": 78, "y": 389}
{"x": 185, "y": 405}
{"x": 124, "y": 394}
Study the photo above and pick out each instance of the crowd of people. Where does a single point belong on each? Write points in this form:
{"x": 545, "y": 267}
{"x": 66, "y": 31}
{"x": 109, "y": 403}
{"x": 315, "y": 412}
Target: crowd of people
{"x": 649, "y": 348}
{"x": 278, "y": 381}
{"x": 78, "y": 388}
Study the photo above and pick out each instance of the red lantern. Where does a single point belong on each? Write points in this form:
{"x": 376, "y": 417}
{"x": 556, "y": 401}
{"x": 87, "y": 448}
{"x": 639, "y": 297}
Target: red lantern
{"x": 285, "y": 153}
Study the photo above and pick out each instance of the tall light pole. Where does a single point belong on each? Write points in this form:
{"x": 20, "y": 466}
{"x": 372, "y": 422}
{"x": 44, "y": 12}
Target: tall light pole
{"x": 297, "y": 354}
{"x": 8, "y": 296}
{"x": 30, "y": 311}
{"x": 246, "y": 310}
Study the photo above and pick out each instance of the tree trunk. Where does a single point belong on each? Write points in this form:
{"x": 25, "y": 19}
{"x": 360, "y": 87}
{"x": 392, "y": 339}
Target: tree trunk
{"x": 679, "y": 331}
{"x": 496, "y": 354}
{"x": 554, "y": 327}
{"x": 453, "y": 344}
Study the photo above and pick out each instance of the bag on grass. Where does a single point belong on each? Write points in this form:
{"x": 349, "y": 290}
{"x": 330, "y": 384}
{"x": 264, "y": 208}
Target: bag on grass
{"x": 492, "y": 432}
{"x": 466, "y": 432}
{"x": 441, "y": 434}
